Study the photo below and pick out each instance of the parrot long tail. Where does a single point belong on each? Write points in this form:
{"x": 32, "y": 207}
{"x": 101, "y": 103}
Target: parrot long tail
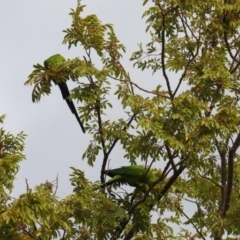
{"x": 65, "y": 94}
{"x": 115, "y": 179}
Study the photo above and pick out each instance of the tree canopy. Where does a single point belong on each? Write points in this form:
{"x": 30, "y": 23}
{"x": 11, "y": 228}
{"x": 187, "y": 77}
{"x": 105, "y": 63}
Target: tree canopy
{"x": 186, "y": 127}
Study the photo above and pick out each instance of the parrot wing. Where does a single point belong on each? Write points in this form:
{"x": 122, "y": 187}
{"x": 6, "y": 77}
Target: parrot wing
{"x": 137, "y": 171}
{"x": 132, "y": 175}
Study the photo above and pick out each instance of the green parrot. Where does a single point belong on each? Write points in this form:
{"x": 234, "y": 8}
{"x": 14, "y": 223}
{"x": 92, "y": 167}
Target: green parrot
{"x": 51, "y": 64}
{"x": 136, "y": 176}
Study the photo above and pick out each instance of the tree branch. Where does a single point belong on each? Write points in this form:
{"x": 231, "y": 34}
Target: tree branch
{"x": 29, "y": 234}
{"x": 106, "y": 155}
{"x": 140, "y": 88}
{"x": 167, "y": 186}
{"x": 222, "y": 154}
{"x": 170, "y": 156}
{"x": 186, "y": 216}
{"x": 228, "y": 192}
{"x": 209, "y": 179}
{"x": 163, "y": 50}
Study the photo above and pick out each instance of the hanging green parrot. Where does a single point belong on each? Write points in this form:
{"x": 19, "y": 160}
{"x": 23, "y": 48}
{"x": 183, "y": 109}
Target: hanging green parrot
{"x": 51, "y": 64}
{"x": 135, "y": 176}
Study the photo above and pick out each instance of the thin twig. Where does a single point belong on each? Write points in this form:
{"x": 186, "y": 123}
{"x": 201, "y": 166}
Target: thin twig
{"x": 27, "y": 186}
{"x": 29, "y": 234}
{"x": 140, "y": 88}
{"x": 209, "y": 179}
{"x": 186, "y": 216}
{"x": 56, "y": 188}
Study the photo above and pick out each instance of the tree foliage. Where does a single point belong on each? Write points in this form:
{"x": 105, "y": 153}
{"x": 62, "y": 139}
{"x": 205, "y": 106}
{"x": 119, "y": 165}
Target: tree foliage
{"x": 187, "y": 126}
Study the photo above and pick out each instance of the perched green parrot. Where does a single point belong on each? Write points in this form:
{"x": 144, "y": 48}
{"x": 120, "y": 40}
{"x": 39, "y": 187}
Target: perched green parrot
{"x": 51, "y": 64}
{"x": 136, "y": 176}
